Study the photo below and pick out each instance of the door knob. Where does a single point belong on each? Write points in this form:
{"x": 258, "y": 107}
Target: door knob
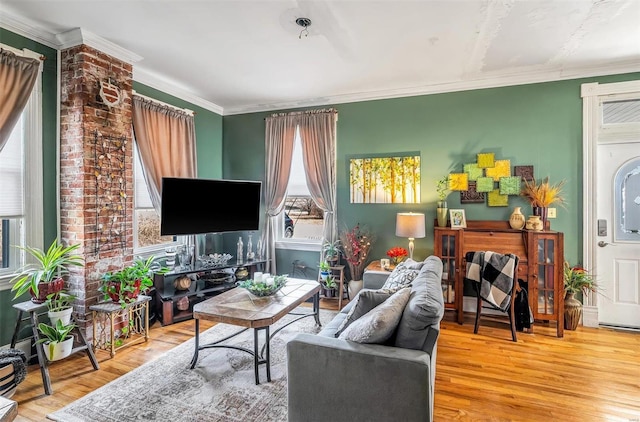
{"x": 602, "y": 243}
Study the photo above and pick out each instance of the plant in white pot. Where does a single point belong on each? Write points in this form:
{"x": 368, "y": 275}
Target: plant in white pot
{"x": 60, "y": 307}
{"x": 45, "y": 275}
{"x": 58, "y": 341}
{"x": 324, "y": 270}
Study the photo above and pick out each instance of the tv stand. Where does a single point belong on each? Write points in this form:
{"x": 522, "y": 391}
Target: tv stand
{"x": 175, "y": 305}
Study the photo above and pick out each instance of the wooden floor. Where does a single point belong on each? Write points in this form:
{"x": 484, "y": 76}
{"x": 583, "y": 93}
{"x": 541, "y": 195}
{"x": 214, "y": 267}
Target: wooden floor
{"x": 589, "y": 375}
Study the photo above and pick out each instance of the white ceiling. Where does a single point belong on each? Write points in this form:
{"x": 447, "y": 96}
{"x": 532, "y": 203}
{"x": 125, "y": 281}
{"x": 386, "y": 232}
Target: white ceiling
{"x": 238, "y": 55}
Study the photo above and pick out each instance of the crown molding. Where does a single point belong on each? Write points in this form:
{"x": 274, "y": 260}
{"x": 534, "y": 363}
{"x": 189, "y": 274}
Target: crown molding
{"x": 28, "y": 29}
{"x": 142, "y": 75}
{"x": 78, "y": 36}
{"x": 494, "y": 80}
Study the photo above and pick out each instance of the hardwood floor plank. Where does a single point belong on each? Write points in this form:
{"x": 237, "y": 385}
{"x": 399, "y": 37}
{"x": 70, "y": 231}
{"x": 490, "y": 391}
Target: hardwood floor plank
{"x": 592, "y": 374}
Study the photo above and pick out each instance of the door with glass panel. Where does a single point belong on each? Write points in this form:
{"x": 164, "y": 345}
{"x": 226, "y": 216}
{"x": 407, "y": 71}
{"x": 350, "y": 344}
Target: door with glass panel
{"x": 618, "y": 238}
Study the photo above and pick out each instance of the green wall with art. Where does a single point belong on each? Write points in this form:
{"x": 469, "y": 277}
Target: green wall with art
{"x": 536, "y": 124}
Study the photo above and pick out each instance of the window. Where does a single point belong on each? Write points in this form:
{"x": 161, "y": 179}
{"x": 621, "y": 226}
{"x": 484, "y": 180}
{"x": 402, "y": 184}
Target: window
{"x": 21, "y": 207}
{"x": 146, "y": 220}
{"x": 302, "y": 221}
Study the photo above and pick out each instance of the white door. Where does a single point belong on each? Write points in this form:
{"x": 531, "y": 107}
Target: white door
{"x": 618, "y": 253}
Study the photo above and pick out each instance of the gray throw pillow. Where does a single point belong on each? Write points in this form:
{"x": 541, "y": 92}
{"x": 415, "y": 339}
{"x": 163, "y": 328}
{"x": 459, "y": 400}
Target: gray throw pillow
{"x": 379, "y": 324}
{"x": 402, "y": 275}
{"x": 425, "y": 307}
{"x": 366, "y": 300}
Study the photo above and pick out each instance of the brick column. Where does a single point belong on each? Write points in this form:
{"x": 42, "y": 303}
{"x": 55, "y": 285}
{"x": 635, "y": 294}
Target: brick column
{"x": 96, "y": 176}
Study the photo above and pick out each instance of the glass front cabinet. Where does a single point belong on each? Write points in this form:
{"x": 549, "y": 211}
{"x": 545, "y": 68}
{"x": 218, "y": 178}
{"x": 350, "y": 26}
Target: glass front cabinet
{"x": 540, "y": 268}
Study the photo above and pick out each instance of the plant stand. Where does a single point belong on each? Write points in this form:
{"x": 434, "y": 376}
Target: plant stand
{"x": 34, "y": 309}
{"x": 112, "y": 324}
{"x": 337, "y": 272}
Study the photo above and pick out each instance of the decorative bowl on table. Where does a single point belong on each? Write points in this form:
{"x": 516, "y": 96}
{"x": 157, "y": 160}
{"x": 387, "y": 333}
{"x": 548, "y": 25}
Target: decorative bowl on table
{"x": 215, "y": 259}
{"x": 267, "y": 286}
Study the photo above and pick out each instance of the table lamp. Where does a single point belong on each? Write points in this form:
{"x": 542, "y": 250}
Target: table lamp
{"x": 411, "y": 225}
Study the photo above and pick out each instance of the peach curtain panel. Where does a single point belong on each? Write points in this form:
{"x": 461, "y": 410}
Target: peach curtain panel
{"x": 280, "y": 131}
{"x": 166, "y": 140}
{"x": 318, "y": 139}
{"x": 17, "y": 77}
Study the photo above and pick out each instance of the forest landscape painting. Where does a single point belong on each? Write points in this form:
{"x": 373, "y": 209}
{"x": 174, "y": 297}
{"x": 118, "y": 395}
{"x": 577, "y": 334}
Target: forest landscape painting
{"x": 385, "y": 180}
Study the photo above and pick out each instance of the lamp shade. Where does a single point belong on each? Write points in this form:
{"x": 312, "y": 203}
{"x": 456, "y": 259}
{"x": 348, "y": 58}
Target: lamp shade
{"x": 410, "y": 224}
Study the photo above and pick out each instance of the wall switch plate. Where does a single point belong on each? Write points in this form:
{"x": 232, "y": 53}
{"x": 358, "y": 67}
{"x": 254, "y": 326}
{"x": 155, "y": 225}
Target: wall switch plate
{"x": 551, "y": 213}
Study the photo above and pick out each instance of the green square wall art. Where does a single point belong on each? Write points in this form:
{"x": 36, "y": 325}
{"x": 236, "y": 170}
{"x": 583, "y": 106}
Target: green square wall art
{"x": 486, "y": 160}
{"x": 484, "y": 184}
{"x": 473, "y": 171}
{"x": 496, "y": 200}
{"x": 510, "y": 185}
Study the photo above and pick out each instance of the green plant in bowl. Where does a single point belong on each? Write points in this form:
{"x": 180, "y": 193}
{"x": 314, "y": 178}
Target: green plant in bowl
{"x": 264, "y": 287}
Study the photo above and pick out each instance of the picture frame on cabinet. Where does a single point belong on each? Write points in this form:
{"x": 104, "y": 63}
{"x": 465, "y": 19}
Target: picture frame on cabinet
{"x": 458, "y": 219}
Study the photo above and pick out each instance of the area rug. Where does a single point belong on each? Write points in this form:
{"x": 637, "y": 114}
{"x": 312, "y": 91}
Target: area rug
{"x": 220, "y": 388}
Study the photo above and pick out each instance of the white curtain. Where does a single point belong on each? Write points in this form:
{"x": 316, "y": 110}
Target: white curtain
{"x": 280, "y": 132}
{"x": 318, "y": 138}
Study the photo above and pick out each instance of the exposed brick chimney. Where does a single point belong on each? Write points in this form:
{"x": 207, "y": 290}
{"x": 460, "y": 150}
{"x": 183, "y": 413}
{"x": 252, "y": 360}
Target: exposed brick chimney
{"x": 96, "y": 176}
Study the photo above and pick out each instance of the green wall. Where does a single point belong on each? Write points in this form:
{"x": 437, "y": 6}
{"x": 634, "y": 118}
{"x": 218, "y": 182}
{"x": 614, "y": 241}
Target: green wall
{"x": 537, "y": 124}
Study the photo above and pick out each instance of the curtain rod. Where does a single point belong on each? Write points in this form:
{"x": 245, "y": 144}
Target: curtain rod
{"x": 184, "y": 110}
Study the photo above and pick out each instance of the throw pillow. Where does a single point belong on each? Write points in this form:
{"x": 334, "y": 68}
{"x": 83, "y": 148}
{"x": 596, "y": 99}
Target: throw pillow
{"x": 425, "y": 307}
{"x": 379, "y": 324}
{"x": 402, "y": 275}
{"x": 365, "y": 301}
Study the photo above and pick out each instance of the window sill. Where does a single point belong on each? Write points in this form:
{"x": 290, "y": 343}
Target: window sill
{"x": 298, "y": 245}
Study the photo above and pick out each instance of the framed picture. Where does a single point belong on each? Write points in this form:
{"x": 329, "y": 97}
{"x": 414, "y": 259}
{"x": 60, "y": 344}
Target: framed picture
{"x": 393, "y": 179}
{"x": 458, "y": 220}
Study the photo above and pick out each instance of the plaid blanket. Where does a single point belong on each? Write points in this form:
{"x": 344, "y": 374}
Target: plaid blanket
{"x": 495, "y": 272}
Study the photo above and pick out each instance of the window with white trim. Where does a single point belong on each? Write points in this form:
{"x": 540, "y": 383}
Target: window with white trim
{"x": 21, "y": 209}
{"x": 146, "y": 221}
{"x": 301, "y": 223}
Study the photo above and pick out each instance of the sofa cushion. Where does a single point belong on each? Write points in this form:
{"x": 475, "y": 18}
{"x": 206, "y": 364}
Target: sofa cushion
{"x": 379, "y": 324}
{"x": 365, "y": 301}
{"x": 425, "y": 307}
{"x": 402, "y": 275}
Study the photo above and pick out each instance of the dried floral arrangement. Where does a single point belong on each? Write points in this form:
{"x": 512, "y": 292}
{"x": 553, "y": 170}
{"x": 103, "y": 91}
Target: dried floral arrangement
{"x": 356, "y": 244}
{"x": 543, "y": 194}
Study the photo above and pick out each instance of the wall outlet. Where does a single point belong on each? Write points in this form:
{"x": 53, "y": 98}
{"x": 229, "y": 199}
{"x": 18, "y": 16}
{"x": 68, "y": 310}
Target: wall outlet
{"x": 551, "y": 213}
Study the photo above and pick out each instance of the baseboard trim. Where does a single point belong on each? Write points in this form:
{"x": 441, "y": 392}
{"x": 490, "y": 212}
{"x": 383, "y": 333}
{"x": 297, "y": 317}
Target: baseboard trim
{"x": 23, "y": 345}
{"x": 590, "y": 316}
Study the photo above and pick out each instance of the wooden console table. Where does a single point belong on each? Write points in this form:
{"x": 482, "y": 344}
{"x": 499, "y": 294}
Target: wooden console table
{"x": 541, "y": 256}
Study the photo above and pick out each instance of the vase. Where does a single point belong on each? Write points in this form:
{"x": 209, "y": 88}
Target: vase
{"x": 516, "y": 220}
{"x": 542, "y": 212}
{"x": 354, "y": 287}
{"x": 534, "y": 223}
{"x": 441, "y": 213}
{"x": 572, "y": 312}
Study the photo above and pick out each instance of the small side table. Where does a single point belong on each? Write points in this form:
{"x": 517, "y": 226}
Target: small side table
{"x": 132, "y": 323}
{"x": 33, "y": 310}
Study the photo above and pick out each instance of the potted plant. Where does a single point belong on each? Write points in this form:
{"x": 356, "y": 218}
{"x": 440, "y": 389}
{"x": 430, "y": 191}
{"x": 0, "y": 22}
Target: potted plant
{"x": 397, "y": 254}
{"x": 60, "y": 307}
{"x": 329, "y": 286}
{"x": 542, "y": 195}
{"x": 331, "y": 250}
{"x": 442, "y": 188}
{"x": 324, "y": 270}
{"x": 124, "y": 286}
{"x": 576, "y": 279}
{"x": 45, "y": 275}
{"x": 57, "y": 340}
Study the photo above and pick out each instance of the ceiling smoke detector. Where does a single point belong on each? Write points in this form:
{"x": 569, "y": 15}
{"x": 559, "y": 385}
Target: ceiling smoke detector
{"x": 304, "y": 23}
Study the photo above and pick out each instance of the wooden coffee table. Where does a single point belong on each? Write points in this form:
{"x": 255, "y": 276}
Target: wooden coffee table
{"x": 239, "y": 307}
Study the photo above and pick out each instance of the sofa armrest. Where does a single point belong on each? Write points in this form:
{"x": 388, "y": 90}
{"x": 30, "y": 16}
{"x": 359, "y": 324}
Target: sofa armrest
{"x": 338, "y": 380}
{"x": 374, "y": 280}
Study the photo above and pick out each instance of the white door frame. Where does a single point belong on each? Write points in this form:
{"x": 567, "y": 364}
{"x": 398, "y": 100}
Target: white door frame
{"x": 592, "y": 133}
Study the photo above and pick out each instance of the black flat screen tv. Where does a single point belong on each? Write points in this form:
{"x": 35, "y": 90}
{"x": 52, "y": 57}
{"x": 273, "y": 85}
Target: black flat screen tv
{"x": 198, "y": 206}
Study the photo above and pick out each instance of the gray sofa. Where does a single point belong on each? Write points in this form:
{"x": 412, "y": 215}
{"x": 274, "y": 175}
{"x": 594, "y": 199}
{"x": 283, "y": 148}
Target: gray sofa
{"x": 330, "y": 379}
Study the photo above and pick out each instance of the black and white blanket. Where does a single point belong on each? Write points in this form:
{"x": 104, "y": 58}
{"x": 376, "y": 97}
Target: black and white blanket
{"x": 496, "y": 273}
